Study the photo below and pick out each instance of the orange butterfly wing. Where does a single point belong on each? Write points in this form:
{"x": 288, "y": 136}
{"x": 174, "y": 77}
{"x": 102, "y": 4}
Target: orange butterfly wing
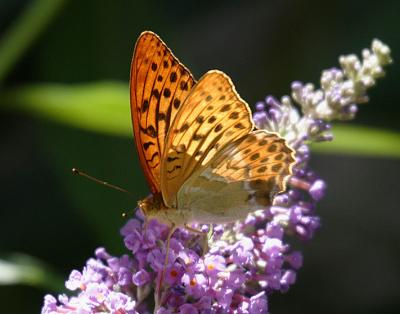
{"x": 159, "y": 84}
{"x": 212, "y": 116}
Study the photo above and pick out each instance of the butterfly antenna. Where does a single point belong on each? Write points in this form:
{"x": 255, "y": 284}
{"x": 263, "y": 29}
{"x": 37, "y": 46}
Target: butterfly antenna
{"x": 104, "y": 183}
{"x": 127, "y": 214}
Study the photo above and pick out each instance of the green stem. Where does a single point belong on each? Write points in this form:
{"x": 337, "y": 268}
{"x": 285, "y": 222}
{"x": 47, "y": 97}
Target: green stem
{"x": 24, "y": 30}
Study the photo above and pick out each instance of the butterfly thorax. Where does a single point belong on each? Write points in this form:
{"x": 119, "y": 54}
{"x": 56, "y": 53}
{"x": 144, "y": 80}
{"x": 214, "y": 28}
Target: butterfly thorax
{"x": 153, "y": 207}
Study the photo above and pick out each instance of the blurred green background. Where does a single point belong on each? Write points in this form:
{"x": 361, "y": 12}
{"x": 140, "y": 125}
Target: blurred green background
{"x": 64, "y": 69}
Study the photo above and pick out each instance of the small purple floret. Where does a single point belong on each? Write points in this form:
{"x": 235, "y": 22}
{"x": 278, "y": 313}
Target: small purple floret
{"x": 317, "y": 190}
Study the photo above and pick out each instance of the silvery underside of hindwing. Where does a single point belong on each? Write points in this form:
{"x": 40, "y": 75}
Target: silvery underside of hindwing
{"x": 211, "y": 199}
{"x": 244, "y": 177}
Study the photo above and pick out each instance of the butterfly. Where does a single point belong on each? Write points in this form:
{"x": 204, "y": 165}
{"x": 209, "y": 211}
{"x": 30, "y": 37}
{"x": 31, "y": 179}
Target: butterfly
{"x": 203, "y": 158}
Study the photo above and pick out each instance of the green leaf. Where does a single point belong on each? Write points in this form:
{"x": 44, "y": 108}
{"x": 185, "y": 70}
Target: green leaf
{"x": 24, "y": 30}
{"x": 23, "y": 269}
{"x": 99, "y": 107}
{"x": 361, "y": 141}
{"x": 104, "y": 107}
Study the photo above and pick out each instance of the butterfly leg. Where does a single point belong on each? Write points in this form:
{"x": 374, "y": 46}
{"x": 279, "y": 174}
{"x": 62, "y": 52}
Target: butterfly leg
{"x": 158, "y": 300}
{"x": 205, "y": 235}
{"x": 194, "y": 230}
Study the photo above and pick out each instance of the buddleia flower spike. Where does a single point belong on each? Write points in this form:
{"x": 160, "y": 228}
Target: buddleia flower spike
{"x": 227, "y": 174}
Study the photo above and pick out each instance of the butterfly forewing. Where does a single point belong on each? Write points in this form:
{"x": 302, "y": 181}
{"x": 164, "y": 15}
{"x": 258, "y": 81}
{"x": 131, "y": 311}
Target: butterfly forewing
{"x": 212, "y": 116}
{"x": 159, "y": 85}
{"x": 244, "y": 176}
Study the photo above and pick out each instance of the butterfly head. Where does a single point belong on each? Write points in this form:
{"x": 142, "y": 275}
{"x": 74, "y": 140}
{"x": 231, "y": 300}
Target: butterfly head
{"x": 151, "y": 205}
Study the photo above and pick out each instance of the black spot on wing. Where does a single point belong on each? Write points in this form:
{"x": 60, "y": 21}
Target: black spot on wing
{"x": 170, "y": 159}
{"x": 150, "y": 131}
{"x": 147, "y": 145}
{"x": 174, "y": 168}
{"x": 155, "y": 154}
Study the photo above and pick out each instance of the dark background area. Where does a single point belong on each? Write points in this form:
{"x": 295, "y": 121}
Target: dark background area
{"x": 352, "y": 264}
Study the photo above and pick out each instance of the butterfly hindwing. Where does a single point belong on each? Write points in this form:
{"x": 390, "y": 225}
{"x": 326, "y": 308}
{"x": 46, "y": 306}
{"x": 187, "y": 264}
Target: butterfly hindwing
{"x": 212, "y": 116}
{"x": 243, "y": 177}
{"x": 159, "y": 85}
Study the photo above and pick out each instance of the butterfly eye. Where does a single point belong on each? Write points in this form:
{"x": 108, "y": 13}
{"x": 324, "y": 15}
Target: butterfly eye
{"x": 142, "y": 206}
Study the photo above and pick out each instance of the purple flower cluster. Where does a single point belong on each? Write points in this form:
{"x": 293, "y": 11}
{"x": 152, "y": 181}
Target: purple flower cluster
{"x": 104, "y": 287}
{"x": 237, "y": 266}
{"x": 234, "y": 276}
